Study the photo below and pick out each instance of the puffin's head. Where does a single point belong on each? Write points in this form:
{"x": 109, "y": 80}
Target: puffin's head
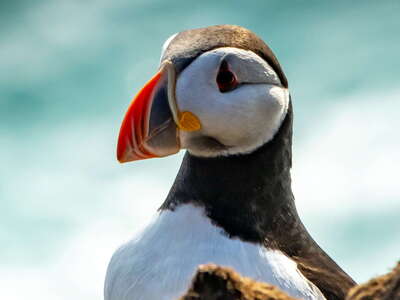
{"x": 219, "y": 91}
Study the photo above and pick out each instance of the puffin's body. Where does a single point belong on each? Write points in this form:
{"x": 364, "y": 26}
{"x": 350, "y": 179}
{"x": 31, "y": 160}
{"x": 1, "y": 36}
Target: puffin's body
{"x": 221, "y": 94}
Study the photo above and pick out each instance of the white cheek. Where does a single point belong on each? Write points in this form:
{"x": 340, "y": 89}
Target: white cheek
{"x": 197, "y": 92}
{"x": 251, "y": 118}
{"x": 243, "y": 119}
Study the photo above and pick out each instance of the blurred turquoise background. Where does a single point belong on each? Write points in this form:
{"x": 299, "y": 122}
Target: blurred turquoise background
{"x": 68, "y": 70}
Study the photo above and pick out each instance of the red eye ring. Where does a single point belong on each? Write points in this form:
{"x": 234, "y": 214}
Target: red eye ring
{"x": 226, "y": 79}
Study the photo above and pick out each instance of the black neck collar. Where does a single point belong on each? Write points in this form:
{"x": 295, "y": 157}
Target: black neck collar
{"x": 246, "y": 195}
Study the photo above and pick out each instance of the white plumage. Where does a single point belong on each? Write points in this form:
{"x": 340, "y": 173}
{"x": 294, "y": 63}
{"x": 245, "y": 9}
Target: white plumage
{"x": 160, "y": 262}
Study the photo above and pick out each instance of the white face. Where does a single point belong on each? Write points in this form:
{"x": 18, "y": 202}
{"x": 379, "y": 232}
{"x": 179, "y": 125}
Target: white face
{"x": 238, "y": 98}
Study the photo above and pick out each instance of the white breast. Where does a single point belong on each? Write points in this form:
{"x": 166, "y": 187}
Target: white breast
{"x": 160, "y": 262}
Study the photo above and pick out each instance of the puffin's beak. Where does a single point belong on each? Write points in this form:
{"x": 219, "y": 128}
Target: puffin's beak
{"x": 151, "y": 125}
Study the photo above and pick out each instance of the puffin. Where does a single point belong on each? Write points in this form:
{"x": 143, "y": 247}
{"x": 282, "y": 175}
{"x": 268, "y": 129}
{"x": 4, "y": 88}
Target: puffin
{"x": 220, "y": 94}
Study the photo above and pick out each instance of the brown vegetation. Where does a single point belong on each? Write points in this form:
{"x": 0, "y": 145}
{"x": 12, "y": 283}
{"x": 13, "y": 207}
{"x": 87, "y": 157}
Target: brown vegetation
{"x": 217, "y": 283}
{"x": 385, "y": 287}
{"x": 213, "y": 282}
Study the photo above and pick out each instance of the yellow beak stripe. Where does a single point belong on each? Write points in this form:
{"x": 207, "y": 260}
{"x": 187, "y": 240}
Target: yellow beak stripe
{"x": 185, "y": 120}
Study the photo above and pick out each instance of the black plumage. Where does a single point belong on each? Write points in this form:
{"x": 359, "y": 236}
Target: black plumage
{"x": 249, "y": 196}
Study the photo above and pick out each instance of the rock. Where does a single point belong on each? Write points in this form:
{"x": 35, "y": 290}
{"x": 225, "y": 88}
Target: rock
{"x": 213, "y": 282}
{"x": 385, "y": 287}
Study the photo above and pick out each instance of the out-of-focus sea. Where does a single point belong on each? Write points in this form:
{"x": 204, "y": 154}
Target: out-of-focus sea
{"x": 68, "y": 70}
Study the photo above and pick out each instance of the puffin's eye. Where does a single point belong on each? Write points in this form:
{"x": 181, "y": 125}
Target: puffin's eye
{"x": 226, "y": 80}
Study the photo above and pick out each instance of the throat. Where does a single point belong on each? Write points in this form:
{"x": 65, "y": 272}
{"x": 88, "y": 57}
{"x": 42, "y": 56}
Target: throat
{"x": 248, "y": 196}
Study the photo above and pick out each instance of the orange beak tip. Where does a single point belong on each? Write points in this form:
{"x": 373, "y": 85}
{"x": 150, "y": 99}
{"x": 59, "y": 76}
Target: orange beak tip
{"x": 149, "y": 128}
{"x": 133, "y": 133}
